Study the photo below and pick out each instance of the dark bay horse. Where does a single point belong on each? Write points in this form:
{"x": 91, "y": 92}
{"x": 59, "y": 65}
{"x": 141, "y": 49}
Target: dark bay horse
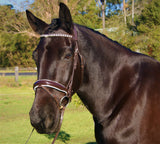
{"x": 120, "y": 88}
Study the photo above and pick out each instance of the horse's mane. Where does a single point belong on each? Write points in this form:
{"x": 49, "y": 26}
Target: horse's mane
{"x": 115, "y": 43}
{"x": 55, "y": 24}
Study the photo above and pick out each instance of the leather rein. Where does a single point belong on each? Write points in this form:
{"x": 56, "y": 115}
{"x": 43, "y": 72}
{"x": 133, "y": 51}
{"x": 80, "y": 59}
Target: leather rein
{"x": 67, "y": 90}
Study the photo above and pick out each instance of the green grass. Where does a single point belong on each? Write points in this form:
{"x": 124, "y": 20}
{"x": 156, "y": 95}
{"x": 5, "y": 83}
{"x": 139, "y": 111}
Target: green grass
{"x": 15, "y": 102}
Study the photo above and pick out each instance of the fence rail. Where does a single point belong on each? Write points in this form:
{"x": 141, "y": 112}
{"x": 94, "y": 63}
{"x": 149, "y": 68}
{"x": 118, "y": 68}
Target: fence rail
{"x": 12, "y": 69}
{"x": 17, "y": 71}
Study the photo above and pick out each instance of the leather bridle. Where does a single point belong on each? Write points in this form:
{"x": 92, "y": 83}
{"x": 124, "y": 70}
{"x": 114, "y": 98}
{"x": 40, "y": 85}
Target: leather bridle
{"x": 68, "y": 91}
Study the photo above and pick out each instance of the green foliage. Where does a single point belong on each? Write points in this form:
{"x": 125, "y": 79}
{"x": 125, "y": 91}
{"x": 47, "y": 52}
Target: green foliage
{"x": 146, "y": 43}
{"x": 148, "y": 26}
{"x": 45, "y": 9}
{"x": 150, "y": 16}
{"x": 11, "y": 21}
{"x": 16, "y": 50}
{"x": 144, "y": 36}
{"x": 87, "y": 14}
{"x": 76, "y": 100}
{"x": 6, "y": 18}
{"x": 16, "y": 43}
{"x": 15, "y": 47}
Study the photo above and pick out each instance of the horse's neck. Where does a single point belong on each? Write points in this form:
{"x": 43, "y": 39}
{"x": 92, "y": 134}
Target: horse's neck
{"x": 99, "y": 49}
{"x": 101, "y": 58}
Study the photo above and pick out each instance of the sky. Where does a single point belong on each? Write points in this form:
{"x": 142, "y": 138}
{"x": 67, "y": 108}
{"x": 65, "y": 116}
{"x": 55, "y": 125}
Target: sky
{"x": 19, "y": 5}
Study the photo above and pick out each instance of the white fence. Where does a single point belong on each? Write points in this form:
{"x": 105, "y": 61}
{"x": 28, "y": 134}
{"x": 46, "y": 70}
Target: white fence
{"x": 17, "y": 71}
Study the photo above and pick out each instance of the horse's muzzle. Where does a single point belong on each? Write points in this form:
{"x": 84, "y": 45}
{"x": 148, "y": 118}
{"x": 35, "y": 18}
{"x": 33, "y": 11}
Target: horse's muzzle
{"x": 44, "y": 123}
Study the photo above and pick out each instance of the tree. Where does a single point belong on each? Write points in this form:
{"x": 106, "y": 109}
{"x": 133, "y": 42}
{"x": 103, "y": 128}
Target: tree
{"x": 15, "y": 46}
{"x": 45, "y": 9}
{"x": 124, "y": 11}
{"x": 10, "y": 20}
{"x": 86, "y": 13}
{"x": 113, "y": 7}
{"x": 148, "y": 27}
{"x": 132, "y": 12}
{"x": 17, "y": 40}
{"x": 150, "y": 16}
{"x": 16, "y": 50}
{"x": 133, "y": 8}
{"x": 103, "y": 14}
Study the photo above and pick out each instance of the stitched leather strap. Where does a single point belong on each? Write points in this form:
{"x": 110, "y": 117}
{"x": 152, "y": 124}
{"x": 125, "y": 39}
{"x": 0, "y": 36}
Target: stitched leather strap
{"x": 51, "y": 84}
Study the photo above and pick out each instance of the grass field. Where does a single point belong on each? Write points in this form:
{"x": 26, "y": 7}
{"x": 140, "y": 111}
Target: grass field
{"x": 15, "y": 102}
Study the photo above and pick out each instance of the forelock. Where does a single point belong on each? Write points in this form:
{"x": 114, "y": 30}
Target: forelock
{"x": 55, "y": 24}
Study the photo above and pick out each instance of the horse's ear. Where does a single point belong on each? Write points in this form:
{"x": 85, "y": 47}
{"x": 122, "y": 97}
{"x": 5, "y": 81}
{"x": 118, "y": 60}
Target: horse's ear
{"x": 37, "y": 25}
{"x": 66, "y": 18}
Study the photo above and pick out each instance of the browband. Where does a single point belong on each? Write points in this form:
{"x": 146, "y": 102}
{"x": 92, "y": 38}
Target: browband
{"x": 56, "y": 35}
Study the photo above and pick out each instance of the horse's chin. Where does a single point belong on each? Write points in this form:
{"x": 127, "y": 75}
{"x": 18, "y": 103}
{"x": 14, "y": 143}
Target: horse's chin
{"x": 53, "y": 128}
{"x": 50, "y": 124}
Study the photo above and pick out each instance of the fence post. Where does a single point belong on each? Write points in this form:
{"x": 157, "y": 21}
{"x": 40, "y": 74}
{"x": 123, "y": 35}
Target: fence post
{"x": 16, "y": 73}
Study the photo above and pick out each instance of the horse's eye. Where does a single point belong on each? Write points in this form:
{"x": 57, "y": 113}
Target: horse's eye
{"x": 68, "y": 56}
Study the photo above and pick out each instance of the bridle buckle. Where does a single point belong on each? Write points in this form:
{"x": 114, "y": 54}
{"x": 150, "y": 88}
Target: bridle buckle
{"x": 64, "y": 101}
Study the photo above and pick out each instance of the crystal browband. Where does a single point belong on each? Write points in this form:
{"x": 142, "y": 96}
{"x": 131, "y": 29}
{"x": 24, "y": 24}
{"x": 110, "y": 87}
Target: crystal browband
{"x": 56, "y": 35}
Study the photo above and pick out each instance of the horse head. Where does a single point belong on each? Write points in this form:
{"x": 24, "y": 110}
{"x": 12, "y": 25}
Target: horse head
{"x": 59, "y": 67}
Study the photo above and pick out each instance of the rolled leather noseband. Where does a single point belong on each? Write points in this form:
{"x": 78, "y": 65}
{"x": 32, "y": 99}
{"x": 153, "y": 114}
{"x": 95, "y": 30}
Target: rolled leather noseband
{"x": 50, "y": 84}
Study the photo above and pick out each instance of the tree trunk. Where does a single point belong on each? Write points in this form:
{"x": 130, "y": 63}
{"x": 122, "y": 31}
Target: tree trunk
{"x": 124, "y": 11}
{"x": 103, "y": 14}
{"x": 132, "y": 12}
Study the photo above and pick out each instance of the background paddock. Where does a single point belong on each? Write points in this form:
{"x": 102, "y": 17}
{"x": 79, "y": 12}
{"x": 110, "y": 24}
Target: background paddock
{"x": 15, "y": 102}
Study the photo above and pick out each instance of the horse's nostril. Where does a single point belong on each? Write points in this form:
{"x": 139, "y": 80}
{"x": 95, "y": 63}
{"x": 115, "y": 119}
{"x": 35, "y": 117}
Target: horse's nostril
{"x": 38, "y": 125}
{"x": 40, "y": 128}
{"x": 34, "y": 118}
